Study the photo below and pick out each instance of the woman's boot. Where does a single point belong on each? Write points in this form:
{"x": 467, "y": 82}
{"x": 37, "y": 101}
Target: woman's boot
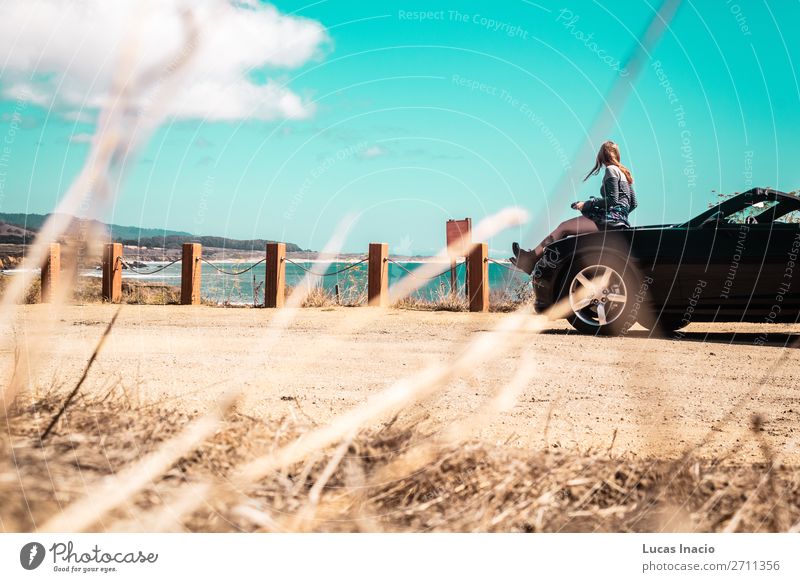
{"x": 523, "y": 260}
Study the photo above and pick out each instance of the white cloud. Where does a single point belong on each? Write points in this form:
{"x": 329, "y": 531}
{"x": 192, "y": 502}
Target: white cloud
{"x": 81, "y": 138}
{"x": 373, "y": 152}
{"x": 79, "y": 116}
{"x": 63, "y": 53}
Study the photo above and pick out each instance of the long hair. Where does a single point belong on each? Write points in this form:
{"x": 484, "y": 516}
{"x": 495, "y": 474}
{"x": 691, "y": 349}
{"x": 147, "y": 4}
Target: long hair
{"x": 609, "y": 156}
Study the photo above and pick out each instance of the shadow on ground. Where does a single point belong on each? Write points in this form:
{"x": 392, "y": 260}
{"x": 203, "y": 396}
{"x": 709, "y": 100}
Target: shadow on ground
{"x": 777, "y": 339}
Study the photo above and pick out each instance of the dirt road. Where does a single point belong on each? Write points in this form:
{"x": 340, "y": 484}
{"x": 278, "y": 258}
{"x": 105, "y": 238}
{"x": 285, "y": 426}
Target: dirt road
{"x": 659, "y": 396}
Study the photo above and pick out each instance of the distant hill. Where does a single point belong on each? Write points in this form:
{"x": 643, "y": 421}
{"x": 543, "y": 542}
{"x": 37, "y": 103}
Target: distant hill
{"x": 33, "y": 222}
{"x": 13, "y": 234}
{"x": 175, "y": 242}
{"x": 16, "y": 228}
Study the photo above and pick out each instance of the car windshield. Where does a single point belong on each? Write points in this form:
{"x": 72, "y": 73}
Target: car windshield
{"x": 751, "y": 213}
{"x": 767, "y": 212}
{"x": 753, "y": 207}
{"x": 786, "y": 212}
{"x": 792, "y": 217}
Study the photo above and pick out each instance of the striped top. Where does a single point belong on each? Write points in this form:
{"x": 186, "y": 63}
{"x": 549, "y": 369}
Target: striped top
{"x": 617, "y": 200}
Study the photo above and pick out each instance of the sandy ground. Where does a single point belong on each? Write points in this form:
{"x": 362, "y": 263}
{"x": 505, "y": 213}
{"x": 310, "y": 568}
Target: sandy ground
{"x": 658, "y": 396}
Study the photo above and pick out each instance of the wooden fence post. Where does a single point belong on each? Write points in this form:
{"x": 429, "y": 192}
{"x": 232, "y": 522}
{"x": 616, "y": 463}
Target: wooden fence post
{"x": 191, "y": 273}
{"x": 50, "y": 273}
{"x": 478, "y": 277}
{"x": 112, "y": 272}
{"x": 378, "y": 275}
{"x": 275, "y": 285}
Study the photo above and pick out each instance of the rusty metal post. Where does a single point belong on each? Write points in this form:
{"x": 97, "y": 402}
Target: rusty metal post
{"x": 51, "y": 269}
{"x": 112, "y": 272}
{"x": 191, "y": 273}
{"x": 478, "y": 277}
{"x": 378, "y": 275}
{"x": 275, "y": 284}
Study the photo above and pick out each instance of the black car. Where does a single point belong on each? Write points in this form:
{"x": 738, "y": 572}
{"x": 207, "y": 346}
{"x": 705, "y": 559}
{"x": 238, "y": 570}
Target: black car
{"x": 737, "y": 261}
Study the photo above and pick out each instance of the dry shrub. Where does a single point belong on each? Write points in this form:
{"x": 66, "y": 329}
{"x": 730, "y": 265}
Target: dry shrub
{"x": 318, "y": 297}
{"x": 352, "y": 293}
{"x": 347, "y": 296}
{"x": 469, "y": 486}
{"x": 503, "y": 300}
{"x": 89, "y": 290}
{"x": 33, "y": 293}
{"x": 150, "y": 293}
{"x": 442, "y": 300}
{"x": 510, "y": 298}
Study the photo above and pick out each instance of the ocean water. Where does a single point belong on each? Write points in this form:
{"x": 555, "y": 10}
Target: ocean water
{"x": 239, "y": 289}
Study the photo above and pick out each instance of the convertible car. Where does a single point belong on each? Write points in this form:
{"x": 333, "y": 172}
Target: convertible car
{"x": 737, "y": 261}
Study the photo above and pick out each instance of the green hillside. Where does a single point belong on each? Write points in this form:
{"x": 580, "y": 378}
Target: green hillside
{"x": 35, "y": 221}
{"x": 149, "y": 237}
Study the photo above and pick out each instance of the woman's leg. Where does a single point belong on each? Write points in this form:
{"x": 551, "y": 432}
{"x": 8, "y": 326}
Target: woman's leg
{"x": 571, "y": 227}
{"x": 525, "y": 260}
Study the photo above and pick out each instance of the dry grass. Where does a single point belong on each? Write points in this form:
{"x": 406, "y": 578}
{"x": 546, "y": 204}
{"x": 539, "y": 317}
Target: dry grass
{"x": 510, "y": 298}
{"x": 33, "y": 294}
{"x": 344, "y": 296}
{"x": 503, "y": 300}
{"x": 88, "y": 290}
{"x": 470, "y": 486}
{"x": 442, "y": 300}
{"x": 319, "y": 297}
{"x": 151, "y": 294}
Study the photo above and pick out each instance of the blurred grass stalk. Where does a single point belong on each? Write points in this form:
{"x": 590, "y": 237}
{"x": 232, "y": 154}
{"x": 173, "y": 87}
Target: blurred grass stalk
{"x": 122, "y": 127}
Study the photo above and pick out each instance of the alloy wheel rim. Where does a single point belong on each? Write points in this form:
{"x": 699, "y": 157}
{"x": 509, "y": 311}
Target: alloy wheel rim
{"x": 597, "y": 295}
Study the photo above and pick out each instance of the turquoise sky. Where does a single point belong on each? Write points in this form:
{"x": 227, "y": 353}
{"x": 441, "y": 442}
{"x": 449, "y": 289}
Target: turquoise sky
{"x": 478, "y": 106}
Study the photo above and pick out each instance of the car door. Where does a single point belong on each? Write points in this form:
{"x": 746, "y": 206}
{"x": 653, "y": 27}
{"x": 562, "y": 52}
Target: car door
{"x": 717, "y": 270}
{"x": 658, "y": 251}
{"x": 776, "y": 291}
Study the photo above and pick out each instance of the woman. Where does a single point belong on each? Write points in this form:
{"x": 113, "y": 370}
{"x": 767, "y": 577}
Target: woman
{"x": 617, "y": 200}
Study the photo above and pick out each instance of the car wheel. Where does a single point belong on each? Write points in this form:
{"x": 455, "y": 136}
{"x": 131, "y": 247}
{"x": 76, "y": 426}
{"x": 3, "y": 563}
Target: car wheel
{"x": 600, "y": 293}
{"x": 659, "y": 324}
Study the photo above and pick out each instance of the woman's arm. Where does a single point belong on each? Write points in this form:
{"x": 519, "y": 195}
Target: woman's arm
{"x": 634, "y": 202}
{"x": 610, "y": 189}
{"x": 589, "y": 206}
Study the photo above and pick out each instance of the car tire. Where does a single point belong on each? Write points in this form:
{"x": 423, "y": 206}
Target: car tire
{"x": 600, "y": 293}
